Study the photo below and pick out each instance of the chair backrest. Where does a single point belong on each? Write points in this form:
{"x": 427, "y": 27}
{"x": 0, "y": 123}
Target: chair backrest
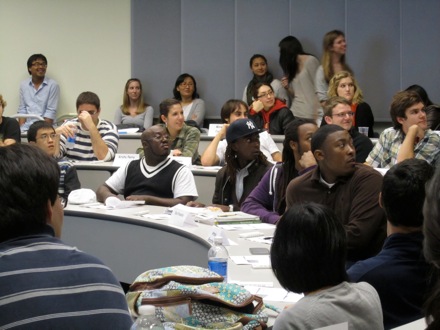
{"x": 61, "y": 119}
{"x": 25, "y": 115}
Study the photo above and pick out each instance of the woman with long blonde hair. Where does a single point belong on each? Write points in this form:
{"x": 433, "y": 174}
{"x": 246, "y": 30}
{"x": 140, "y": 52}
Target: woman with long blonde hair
{"x": 333, "y": 60}
{"x": 134, "y": 111}
{"x": 344, "y": 84}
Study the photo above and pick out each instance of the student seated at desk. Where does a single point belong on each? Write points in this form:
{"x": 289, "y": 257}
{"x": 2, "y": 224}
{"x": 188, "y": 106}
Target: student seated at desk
{"x": 231, "y": 111}
{"x": 9, "y": 128}
{"x": 44, "y": 283}
{"x": 268, "y": 199}
{"x": 308, "y": 256}
{"x": 245, "y": 166}
{"x": 410, "y": 136}
{"x": 43, "y": 135}
{"x": 184, "y": 139}
{"x": 155, "y": 178}
{"x": 399, "y": 272}
{"x": 95, "y": 139}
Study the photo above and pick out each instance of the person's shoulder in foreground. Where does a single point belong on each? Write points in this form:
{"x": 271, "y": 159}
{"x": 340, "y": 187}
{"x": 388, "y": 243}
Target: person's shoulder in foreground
{"x": 399, "y": 272}
{"x": 53, "y": 284}
{"x": 308, "y": 256}
{"x": 355, "y": 303}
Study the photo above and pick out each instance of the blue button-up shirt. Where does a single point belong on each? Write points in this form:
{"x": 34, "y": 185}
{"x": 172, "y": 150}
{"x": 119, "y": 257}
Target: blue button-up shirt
{"x": 42, "y": 102}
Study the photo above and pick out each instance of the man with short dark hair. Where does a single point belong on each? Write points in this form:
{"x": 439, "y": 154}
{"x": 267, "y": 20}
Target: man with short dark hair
{"x": 44, "y": 283}
{"x": 349, "y": 188}
{"x": 409, "y": 137}
{"x": 337, "y": 111}
{"x": 44, "y": 136}
{"x": 39, "y": 95}
{"x": 155, "y": 178}
{"x": 95, "y": 139}
{"x": 399, "y": 272}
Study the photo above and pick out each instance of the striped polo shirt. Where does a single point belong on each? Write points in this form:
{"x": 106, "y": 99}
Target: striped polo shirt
{"x": 45, "y": 284}
{"x": 82, "y": 150}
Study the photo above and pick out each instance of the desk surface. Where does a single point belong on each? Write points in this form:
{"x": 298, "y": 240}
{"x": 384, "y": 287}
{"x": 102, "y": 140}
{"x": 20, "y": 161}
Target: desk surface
{"x": 131, "y": 244}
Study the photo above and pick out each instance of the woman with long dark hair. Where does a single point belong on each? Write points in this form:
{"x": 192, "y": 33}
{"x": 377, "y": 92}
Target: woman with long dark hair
{"x": 299, "y": 70}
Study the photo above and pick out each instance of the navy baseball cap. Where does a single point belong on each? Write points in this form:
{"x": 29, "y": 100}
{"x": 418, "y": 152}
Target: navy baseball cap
{"x": 241, "y": 128}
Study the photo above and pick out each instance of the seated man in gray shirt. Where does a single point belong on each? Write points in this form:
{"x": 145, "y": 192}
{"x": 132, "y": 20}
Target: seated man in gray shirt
{"x": 155, "y": 178}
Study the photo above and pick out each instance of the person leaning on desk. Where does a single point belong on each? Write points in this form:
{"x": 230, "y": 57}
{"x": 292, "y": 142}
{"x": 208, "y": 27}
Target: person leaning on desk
{"x": 155, "y": 178}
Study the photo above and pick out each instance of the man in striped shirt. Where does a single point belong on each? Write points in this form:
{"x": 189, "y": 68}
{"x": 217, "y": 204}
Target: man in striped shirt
{"x": 87, "y": 137}
{"x": 44, "y": 283}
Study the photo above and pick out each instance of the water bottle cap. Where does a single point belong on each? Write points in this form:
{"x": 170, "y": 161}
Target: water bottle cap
{"x": 147, "y": 310}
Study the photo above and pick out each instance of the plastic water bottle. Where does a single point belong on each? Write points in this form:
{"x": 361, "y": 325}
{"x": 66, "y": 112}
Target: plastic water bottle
{"x": 218, "y": 258}
{"x": 71, "y": 139}
{"x": 147, "y": 319}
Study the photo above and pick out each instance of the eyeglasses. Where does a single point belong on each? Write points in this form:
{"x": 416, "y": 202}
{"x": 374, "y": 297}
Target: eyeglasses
{"x": 47, "y": 136}
{"x": 159, "y": 137}
{"x": 185, "y": 84}
{"x": 42, "y": 64}
{"x": 343, "y": 114}
{"x": 269, "y": 93}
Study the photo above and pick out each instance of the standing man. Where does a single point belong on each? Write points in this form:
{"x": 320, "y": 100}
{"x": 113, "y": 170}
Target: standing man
{"x": 349, "y": 188}
{"x": 44, "y": 283}
{"x": 94, "y": 138}
{"x": 337, "y": 111}
{"x": 155, "y": 178}
{"x": 43, "y": 135}
{"x": 39, "y": 95}
{"x": 409, "y": 137}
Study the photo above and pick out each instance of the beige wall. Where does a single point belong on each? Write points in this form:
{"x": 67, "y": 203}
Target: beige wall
{"x": 86, "y": 42}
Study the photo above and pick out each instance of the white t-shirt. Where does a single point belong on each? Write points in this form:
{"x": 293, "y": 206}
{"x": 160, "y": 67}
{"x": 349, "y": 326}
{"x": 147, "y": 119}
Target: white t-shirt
{"x": 184, "y": 184}
{"x": 267, "y": 147}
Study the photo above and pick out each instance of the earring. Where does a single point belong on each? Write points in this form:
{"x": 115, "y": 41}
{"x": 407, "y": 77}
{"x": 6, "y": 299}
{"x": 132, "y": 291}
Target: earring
{"x": 166, "y": 124}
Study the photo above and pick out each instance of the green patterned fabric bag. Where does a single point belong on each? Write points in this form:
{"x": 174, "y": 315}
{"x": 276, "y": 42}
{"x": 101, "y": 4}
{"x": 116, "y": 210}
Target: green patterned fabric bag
{"x": 191, "y": 297}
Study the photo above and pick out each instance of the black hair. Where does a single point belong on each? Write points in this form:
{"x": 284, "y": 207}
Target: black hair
{"x": 88, "y": 98}
{"x": 403, "y": 192}
{"x": 321, "y": 135}
{"x": 28, "y": 180}
{"x": 433, "y": 116}
{"x": 33, "y": 58}
{"x": 422, "y": 93}
{"x": 180, "y": 79}
{"x": 431, "y": 247}
{"x": 289, "y": 170}
{"x": 35, "y": 127}
{"x": 290, "y": 48}
{"x": 267, "y": 78}
{"x": 309, "y": 248}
